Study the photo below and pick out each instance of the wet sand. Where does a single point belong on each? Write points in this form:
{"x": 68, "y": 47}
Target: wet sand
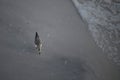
{"x": 69, "y": 51}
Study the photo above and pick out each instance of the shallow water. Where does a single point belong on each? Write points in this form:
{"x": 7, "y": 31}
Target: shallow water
{"x": 104, "y": 23}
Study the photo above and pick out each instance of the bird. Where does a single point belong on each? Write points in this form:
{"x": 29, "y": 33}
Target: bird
{"x": 38, "y": 43}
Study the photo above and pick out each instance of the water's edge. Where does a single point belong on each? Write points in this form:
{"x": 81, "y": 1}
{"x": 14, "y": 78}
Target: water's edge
{"x": 103, "y": 20}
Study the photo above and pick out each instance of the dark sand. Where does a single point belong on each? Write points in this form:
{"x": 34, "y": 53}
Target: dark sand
{"x": 69, "y": 52}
